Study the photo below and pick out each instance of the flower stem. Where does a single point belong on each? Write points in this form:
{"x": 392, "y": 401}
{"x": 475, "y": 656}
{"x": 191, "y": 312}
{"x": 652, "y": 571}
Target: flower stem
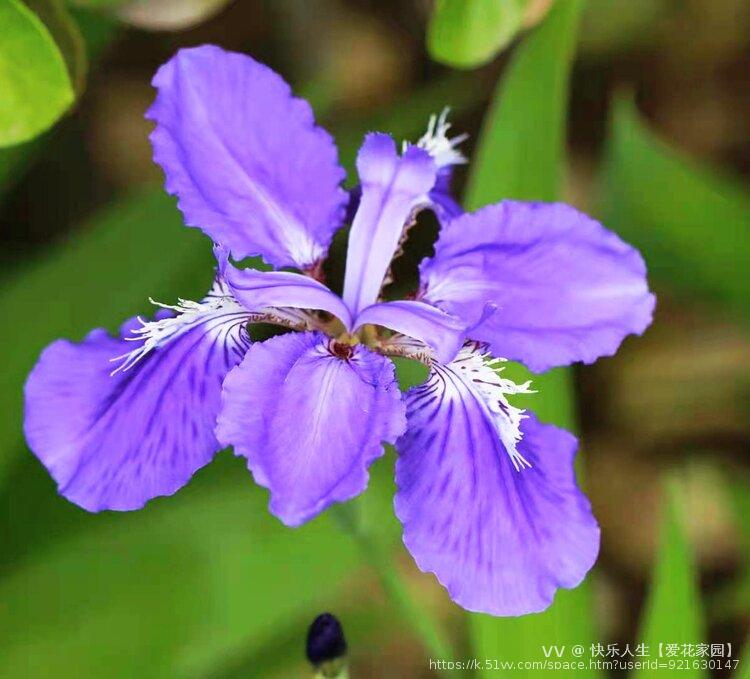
{"x": 378, "y": 556}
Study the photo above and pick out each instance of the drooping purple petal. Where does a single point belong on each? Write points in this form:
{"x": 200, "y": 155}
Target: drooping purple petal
{"x": 501, "y": 530}
{"x": 244, "y": 157}
{"x": 565, "y": 289}
{"x": 393, "y": 187}
{"x": 258, "y": 290}
{"x": 441, "y": 331}
{"x": 114, "y": 441}
{"x": 310, "y": 417}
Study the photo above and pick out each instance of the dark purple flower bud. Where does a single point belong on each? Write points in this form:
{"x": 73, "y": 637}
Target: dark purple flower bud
{"x": 325, "y": 640}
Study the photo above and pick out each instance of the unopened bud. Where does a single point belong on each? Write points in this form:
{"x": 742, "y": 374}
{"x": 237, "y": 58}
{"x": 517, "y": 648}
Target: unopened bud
{"x": 326, "y": 647}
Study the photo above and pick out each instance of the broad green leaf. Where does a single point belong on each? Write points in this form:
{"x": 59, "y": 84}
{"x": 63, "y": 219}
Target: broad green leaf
{"x": 174, "y": 590}
{"x": 104, "y": 275}
{"x": 67, "y": 37}
{"x": 673, "y": 611}
{"x": 520, "y": 155}
{"x": 468, "y": 33}
{"x": 97, "y": 31}
{"x": 683, "y": 217}
{"x": 35, "y": 86}
{"x": 520, "y": 151}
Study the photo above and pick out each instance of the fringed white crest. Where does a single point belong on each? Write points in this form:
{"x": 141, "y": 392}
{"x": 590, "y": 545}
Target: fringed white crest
{"x": 217, "y": 304}
{"x": 436, "y": 142}
{"x": 481, "y": 371}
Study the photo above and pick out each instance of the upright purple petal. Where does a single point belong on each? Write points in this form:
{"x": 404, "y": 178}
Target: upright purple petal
{"x": 393, "y": 187}
{"x": 244, "y": 157}
{"x": 439, "y": 330}
{"x": 114, "y": 441}
{"x": 446, "y": 154}
{"x": 310, "y": 416}
{"x": 492, "y": 511}
{"x": 258, "y": 290}
{"x": 565, "y": 289}
{"x": 446, "y": 207}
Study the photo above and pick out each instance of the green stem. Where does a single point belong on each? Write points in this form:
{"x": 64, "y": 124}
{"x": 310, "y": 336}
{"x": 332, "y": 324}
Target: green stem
{"x": 379, "y": 557}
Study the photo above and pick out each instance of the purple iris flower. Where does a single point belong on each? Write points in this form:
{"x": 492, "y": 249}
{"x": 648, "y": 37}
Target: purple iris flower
{"x": 486, "y": 493}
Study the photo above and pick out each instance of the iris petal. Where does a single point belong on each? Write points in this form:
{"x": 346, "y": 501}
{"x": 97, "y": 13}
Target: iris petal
{"x": 441, "y": 331}
{"x": 116, "y": 440}
{"x": 565, "y": 289}
{"x": 259, "y": 290}
{"x": 310, "y": 417}
{"x": 500, "y": 535}
{"x": 244, "y": 157}
{"x": 393, "y": 187}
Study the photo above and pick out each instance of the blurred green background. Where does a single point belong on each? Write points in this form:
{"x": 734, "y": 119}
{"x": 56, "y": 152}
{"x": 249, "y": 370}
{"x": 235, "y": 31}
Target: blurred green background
{"x": 637, "y": 111}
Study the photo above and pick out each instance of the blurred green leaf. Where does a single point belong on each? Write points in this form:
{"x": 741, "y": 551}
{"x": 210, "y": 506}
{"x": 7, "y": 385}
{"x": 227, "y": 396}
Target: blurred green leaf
{"x": 173, "y": 590}
{"x": 104, "y": 275}
{"x": 520, "y": 150}
{"x": 67, "y": 37}
{"x": 691, "y": 223}
{"x": 97, "y": 31}
{"x": 520, "y": 155}
{"x": 14, "y": 160}
{"x": 468, "y": 33}
{"x": 35, "y": 86}
{"x": 673, "y": 611}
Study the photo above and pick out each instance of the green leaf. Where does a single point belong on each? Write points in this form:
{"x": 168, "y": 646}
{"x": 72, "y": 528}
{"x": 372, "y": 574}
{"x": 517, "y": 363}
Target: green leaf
{"x": 520, "y": 155}
{"x": 14, "y": 161}
{"x": 35, "y": 86}
{"x": 97, "y": 31}
{"x": 683, "y": 217}
{"x": 67, "y": 37}
{"x": 520, "y": 151}
{"x": 173, "y": 590}
{"x": 673, "y": 611}
{"x": 101, "y": 277}
{"x": 468, "y": 33}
